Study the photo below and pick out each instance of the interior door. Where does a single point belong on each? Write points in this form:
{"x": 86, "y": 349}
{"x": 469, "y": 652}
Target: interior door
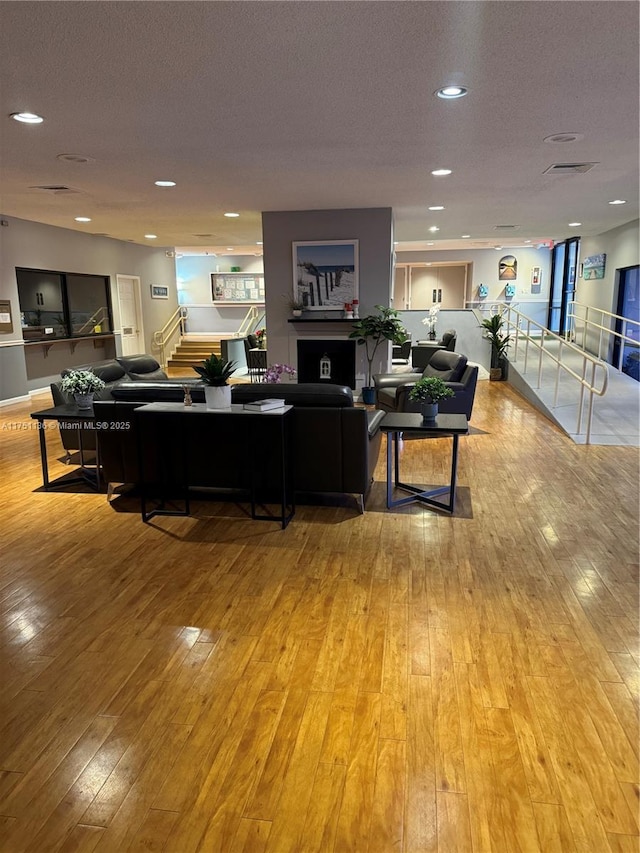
{"x": 130, "y": 314}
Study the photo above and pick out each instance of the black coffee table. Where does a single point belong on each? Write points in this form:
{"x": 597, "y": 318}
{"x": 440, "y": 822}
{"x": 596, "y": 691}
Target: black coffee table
{"x": 394, "y": 424}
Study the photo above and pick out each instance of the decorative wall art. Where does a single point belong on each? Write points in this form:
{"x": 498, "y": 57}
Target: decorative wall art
{"x": 507, "y": 268}
{"x": 325, "y": 274}
{"x": 593, "y": 267}
{"x": 159, "y": 292}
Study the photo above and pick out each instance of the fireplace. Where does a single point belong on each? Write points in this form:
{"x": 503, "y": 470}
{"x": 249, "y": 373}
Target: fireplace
{"x": 327, "y": 361}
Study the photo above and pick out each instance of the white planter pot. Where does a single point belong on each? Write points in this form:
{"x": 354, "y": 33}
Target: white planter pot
{"x": 84, "y": 401}
{"x": 218, "y": 396}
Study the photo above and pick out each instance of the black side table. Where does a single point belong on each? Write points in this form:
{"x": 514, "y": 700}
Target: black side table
{"x": 82, "y": 419}
{"x": 394, "y": 424}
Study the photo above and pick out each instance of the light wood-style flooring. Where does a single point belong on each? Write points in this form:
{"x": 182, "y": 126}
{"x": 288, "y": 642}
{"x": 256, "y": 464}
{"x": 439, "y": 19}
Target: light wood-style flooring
{"x": 393, "y": 681}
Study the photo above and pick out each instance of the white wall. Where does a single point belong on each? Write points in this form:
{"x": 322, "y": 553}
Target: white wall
{"x": 622, "y": 250}
{"x": 37, "y": 246}
{"x": 483, "y": 269}
{"x": 194, "y": 290}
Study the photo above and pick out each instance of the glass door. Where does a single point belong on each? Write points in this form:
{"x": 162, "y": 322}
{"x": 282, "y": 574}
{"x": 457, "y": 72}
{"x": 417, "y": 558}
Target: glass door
{"x": 563, "y": 283}
{"x": 629, "y": 309}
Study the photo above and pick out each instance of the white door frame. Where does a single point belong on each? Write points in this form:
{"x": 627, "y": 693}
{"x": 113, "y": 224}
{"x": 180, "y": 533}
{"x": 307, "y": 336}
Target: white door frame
{"x": 138, "y": 303}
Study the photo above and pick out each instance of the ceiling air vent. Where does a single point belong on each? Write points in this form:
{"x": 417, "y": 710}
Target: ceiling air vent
{"x": 57, "y": 189}
{"x": 569, "y": 168}
{"x": 506, "y": 227}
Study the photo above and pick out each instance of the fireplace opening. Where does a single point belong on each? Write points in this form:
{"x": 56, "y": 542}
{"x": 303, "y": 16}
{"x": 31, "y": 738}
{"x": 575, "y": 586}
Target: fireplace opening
{"x": 327, "y": 361}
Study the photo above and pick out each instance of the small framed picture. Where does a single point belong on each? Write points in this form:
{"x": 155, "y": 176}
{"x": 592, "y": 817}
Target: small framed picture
{"x": 159, "y": 292}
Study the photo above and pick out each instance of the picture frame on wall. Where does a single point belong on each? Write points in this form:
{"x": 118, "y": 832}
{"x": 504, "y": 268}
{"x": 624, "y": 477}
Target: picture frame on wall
{"x": 593, "y": 267}
{"x": 158, "y": 291}
{"x": 325, "y": 274}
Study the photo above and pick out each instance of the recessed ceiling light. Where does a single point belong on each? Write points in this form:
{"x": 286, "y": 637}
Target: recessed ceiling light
{"x": 151, "y": 236}
{"x": 27, "y": 118}
{"x": 618, "y": 201}
{"x": 430, "y": 244}
{"x": 563, "y": 138}
{"x": 450, "y": 93}
{"x": 74, "y": 158}
{"x": 438, "y": 173}
{"x": 165, "y": 183}
{"x": 527, "y": 241}
{"x": 230, "y": 249}
{"x": 437, "y": 207}
{"x": 465, "y": 236}
{"x": 498, "y": 248}
{"x": 82, "y": 219}
{"x": 232, "y": 215}
{"x": 258, "y": 242}
{"x": 434, "y": 228}
{"x": 574, "y": 224}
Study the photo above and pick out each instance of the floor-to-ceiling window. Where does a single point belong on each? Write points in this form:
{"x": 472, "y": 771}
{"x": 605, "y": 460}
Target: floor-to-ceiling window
{"x": 563, "y": 283}
{"x": 628, "y": 308}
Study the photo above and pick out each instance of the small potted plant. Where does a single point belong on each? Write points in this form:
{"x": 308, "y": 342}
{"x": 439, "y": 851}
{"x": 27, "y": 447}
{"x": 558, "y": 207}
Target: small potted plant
{"x": 215, "y": 372}
{"x": 428, "y": 391}
{"x": 275, "y": 372}
{"x": 370, "y": 332}
{"x": 83, "y": 384}
{"x": 500, "y": 343}
{"x": 296, "y": 306}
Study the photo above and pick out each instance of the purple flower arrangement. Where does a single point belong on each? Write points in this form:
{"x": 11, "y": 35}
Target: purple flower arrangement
{"x": 275, "y": 372}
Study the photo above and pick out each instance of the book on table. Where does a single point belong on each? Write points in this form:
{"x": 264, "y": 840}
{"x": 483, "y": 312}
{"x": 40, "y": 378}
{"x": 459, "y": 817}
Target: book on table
{"x": 264, "y": 405}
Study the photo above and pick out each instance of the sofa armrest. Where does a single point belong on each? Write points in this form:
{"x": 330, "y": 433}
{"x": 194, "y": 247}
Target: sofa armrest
{"x": 392, "y": 380}
{"x": 373, "y": 421}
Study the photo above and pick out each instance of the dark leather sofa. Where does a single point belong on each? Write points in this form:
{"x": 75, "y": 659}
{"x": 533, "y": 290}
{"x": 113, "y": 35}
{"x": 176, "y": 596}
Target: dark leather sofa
{"x": 335, "y": 444}
{"x": 113, "y": 372}
{"x": 392, "y": 389}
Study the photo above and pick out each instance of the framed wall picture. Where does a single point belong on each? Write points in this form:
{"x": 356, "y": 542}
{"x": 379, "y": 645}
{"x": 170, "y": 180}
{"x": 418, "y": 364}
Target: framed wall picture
{"x": 158, "y": 291}
{"x": 593, "y": 267}
{"x": 325, "y": 274}
{"x": 507, "y": 268}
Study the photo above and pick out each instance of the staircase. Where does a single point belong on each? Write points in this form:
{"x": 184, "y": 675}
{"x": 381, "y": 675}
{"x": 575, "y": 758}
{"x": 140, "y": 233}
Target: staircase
{"x": 192, "y": 351}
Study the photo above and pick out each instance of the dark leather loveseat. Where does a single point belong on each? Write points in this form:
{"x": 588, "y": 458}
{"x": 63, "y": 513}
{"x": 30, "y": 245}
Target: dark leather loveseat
{"x": 335, "y": 444}
{"x": 113, "y": 372}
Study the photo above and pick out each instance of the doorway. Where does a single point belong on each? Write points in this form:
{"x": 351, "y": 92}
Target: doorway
{"x": 628, "y": 308}
{"x": 130, "y": 306}
{"x": 563, "y": 284}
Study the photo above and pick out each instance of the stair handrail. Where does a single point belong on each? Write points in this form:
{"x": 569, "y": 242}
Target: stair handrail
{"x": 96, "y": 319}
{"x": 575, "y": 309}
{"x": 161, "y": 338}
{"x": 250, "y": 320}
{"x": 520, "y": 327}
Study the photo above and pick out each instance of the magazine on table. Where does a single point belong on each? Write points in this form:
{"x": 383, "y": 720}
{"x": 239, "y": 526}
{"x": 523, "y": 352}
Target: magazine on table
{"x": 265, "y": 405}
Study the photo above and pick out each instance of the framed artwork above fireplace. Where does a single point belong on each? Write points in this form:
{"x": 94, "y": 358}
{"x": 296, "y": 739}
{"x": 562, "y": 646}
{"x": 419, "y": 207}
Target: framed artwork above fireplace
{"x": 325, "y": 274}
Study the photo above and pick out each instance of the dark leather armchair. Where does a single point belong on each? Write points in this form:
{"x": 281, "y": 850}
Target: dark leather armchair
{"x": 401, "y": 353}
{"x": 422, "y": 353}
{"x": 392, "y": 389}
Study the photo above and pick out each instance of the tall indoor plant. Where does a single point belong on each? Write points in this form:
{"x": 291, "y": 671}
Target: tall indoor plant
{"x": 494, "y": 333}
{"x": 215, "y": 371}
{"x": 370, "y": 332}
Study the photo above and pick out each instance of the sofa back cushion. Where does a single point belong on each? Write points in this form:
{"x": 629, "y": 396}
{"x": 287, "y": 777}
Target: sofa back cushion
{"x": 448, "y": 366}
{"x": 143, "y": 367}
{"x": 252, "y": 341}
{"x": 304, "y": 394}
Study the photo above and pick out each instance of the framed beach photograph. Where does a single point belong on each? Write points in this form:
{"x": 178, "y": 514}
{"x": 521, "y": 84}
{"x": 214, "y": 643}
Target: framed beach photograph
{"x": 325, "y": 274}
{"x": 593, "y": 267}
{"x": 159, "y": 292}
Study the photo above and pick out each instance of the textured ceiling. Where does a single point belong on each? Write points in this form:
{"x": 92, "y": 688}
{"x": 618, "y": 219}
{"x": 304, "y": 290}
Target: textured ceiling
{"x": 253, "y": 106}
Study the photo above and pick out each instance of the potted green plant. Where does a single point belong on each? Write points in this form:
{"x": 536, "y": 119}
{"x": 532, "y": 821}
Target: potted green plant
{"x": 428, "y": 391}
{"x": 296, "y": 306}
{"x": 215, "y": 371}
{"x": 370, "y": 332}
{"x": 499, "y": 341}
{"x": 83, "y": 384}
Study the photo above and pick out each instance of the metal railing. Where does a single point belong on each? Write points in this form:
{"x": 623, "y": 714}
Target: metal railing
{"x": 254, "y": 315}
{"x": 595, "y": 329}
{"x": 162, "y": 338}
{"x": 592, "y": 373}
{"x": 99, "y": 317}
